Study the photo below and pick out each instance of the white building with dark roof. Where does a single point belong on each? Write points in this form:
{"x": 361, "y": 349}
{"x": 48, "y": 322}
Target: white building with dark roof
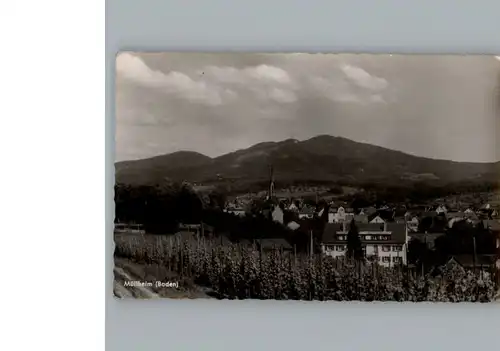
{"x": 387, "y": 243}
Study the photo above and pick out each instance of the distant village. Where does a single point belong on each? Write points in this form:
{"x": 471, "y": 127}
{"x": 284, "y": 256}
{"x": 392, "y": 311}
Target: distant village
{"x": 385, "y": 231}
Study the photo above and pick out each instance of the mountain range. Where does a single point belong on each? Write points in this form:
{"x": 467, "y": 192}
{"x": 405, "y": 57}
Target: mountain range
{"x": 322, "y": 158}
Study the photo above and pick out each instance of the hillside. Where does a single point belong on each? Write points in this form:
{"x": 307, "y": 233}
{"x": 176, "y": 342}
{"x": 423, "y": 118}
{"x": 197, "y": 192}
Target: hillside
{"x": 320, "y": 159}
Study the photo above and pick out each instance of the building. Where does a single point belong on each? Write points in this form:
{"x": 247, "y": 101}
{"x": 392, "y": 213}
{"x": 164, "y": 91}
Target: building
{"x": 387, "y": 243}
{"x": 277, "y": 214}
{"x": 201, "y": 229}
{"x": 413, "y": 224}
{"x": 235, "y": 211}
{"x": 341, "y": 214}
{"x": 361, "y": 218}
{"x": 306, "y": 212}
{"x": 471, "y": 262}
{"x": 129, "y": 228}
{"x": 293, "y": 225}
{"x": 441, "y": 209}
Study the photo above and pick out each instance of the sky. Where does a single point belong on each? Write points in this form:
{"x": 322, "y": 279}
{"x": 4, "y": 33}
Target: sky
{"x": 445, "y": 107}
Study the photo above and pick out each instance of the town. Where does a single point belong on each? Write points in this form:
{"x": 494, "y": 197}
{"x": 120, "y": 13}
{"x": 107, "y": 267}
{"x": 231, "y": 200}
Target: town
{"x": 385, "y": 232}
{"x": 422, "y": 239}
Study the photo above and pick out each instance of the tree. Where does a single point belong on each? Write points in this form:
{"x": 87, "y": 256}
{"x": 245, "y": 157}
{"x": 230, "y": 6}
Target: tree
{"x": 217, "y": 199}
{"x": 354, "y": 246}
{"x": 425, "y": 224}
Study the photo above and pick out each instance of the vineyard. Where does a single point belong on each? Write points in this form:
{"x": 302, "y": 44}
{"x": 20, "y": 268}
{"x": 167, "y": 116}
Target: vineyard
{"x": 235, "y": 271}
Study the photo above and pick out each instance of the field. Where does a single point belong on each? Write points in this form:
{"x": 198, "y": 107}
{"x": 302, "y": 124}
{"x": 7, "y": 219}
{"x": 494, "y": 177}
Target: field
{"x": 239, "y": 272}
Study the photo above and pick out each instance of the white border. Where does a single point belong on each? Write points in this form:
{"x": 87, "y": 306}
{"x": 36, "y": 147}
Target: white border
{"x": 52, "y": 161}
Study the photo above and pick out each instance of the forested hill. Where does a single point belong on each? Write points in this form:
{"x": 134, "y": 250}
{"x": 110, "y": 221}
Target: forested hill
{"x": 320, "y": 159}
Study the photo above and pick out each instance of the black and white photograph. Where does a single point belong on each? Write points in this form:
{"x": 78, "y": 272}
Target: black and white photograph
{"x": 307, "y": 176}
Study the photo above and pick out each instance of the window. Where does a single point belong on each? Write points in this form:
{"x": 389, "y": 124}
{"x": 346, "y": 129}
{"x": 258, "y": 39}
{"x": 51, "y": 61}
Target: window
{"x": 375, "y": 247}
{"x": 340, "y": 247}
{"x": 386, "y": 248}
{"x": 397, "y": 248}
{"x": 396, "y": 259}
{"x": 386, "y": 259}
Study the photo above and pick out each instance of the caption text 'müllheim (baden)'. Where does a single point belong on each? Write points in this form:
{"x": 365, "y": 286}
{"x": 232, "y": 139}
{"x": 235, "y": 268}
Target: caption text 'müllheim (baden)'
{"x": 149, "y": 284}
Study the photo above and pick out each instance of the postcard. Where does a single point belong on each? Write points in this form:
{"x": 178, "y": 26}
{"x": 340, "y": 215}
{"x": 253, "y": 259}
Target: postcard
{"x": 346, "y": 177}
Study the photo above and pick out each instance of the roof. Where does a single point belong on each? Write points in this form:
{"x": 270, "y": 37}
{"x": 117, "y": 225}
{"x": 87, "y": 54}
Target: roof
{"x": 307, "y": 211}
{"x": 450, "y": 215}
{"x": 429, "y": 214}
{"x": 361, "y": 218}
{"x": 377, "y": 220}
{"x": 468, "y": 260}
{"x": 330, "y": 231}
{"x": 398, "y": 231}
{"x": 369, "y": 210}
{"x": 370, "y": 227}
{"x": 492, "y": 224}
{"x": 470, "y": 215}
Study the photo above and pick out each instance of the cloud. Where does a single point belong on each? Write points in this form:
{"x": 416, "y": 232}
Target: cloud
{"x": 257, "y": 74}
{"x": 135, "y": 69}
{"x": 215, "y": 85}
{"x": 364, "y": 79}
{"x": 341, "y": 91}
{"x": 267, "y": 83}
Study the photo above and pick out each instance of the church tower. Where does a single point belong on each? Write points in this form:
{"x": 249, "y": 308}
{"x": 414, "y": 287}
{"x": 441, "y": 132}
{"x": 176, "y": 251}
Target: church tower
{"x": 271, "y": 183}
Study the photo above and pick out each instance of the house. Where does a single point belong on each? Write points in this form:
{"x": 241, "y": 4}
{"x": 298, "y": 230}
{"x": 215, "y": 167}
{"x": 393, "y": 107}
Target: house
{"x": 430, "y": 214}
{"x": 361, "y": 218}
{"x": 129, "y": 228}
{"x": 277, "y": 214}
{"x": 238, "y": 211}
{"x": 387, "y": 242}
{"x": 413, "y": 224}
{"x": 493, "y": 225}
{"x": 451, "y": 215}
{"x": 338, "y": 215}
{"x": 485, "y": 262}
{"x": 293, "y": 225}
{"x": 306, "y": 212}
{"x": 399, "y": 220}
{"x": 441, "y": 209}
{"x": 471, "y": 217}
{"x": 369, "y": 211}
{"x": 201, "y": 229}
{"x": 332, "y": 214}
